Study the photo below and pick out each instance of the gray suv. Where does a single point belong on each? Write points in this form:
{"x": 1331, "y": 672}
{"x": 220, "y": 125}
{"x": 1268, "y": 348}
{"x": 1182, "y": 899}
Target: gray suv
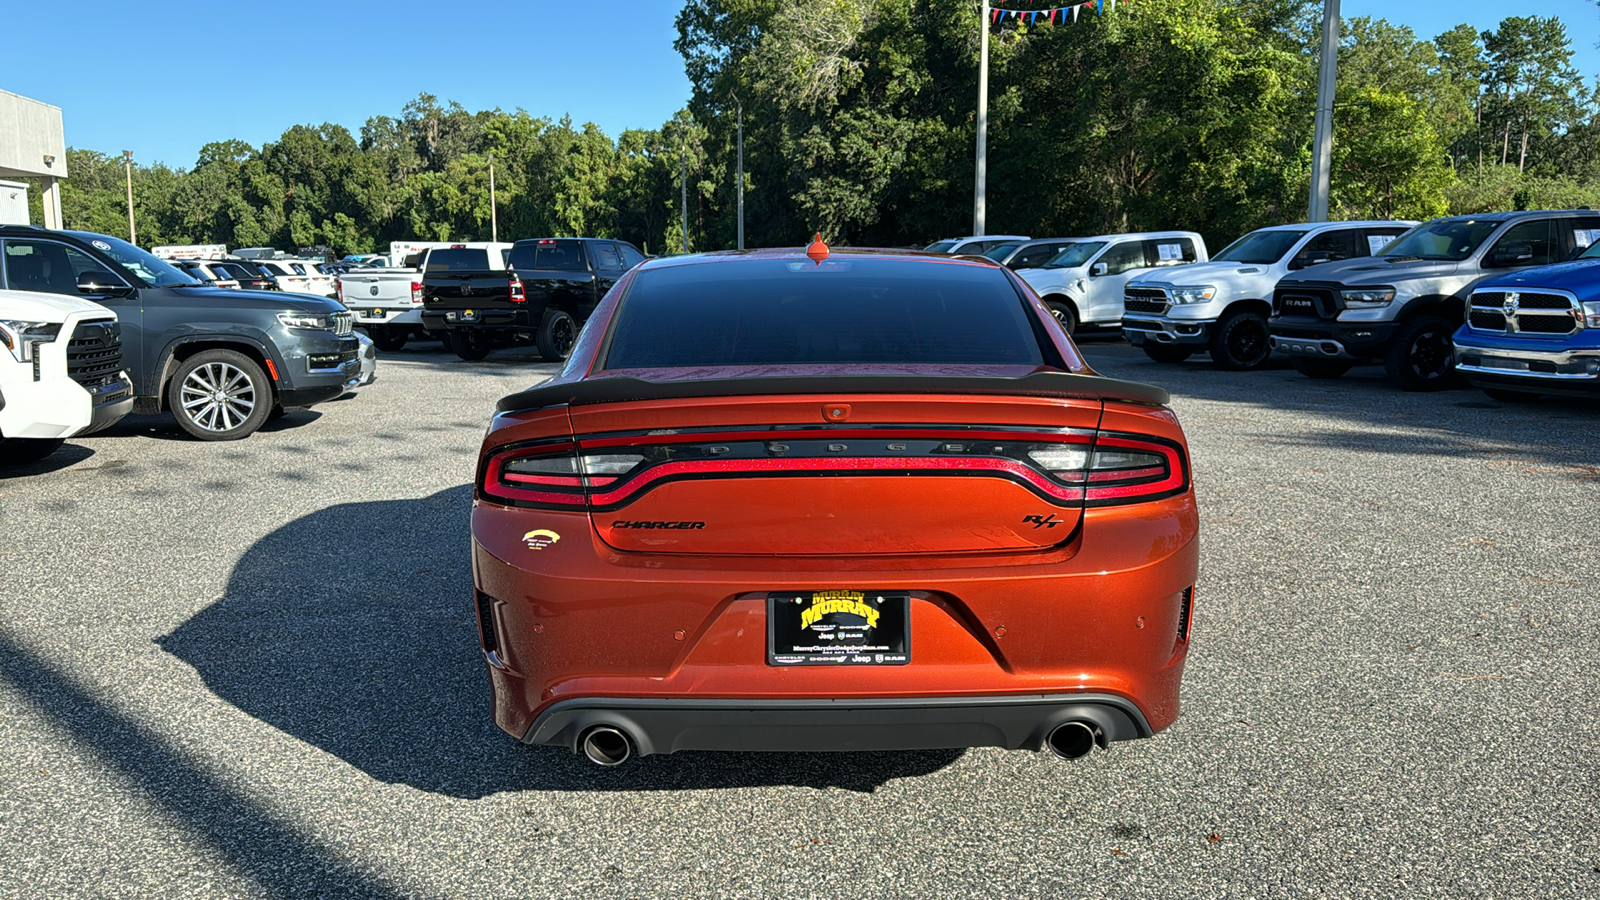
{"x": 222, "y": 361}
{"x": 1401, "y": 305}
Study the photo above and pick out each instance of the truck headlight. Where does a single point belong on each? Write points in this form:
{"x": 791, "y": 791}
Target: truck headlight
{"x": 19, "y": 336}
{"x": 312, "y": 321}
{"x": 1590, "y": 318}
{"x": 1371, "y": 298}
{"x": 1200, "y": 293}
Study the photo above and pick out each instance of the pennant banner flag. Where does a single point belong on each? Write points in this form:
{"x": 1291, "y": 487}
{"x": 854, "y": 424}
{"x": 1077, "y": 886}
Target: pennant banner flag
{"x": 1052, "y": 14}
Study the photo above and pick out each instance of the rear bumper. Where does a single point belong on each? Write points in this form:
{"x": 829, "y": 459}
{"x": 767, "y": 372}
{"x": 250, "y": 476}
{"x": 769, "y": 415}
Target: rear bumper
{"x": 521, "y": 321}
{"x": 670, "y": 725}
{"x": 401, "y": 315}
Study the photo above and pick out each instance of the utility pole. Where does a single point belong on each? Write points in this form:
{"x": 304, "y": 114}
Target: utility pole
{"x": 127, "y": 164}
{"x": 740, "y": 172}
{"x": 494, "y": 214}
{"x": 981, "y": 188}
{"x": 683, "y": 178}
{"x": 1322, "y": 137}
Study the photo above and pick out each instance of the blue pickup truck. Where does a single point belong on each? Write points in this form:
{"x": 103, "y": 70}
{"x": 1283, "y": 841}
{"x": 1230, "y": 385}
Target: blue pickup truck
{"x": 1535, "y": 332}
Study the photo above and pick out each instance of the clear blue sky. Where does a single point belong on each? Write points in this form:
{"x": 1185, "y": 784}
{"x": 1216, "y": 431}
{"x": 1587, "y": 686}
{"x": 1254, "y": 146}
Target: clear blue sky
{"x": 164, "y": 79}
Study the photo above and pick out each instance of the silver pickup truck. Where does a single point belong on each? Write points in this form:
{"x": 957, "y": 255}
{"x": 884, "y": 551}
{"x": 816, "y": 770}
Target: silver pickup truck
{"x": 387, "y": 303}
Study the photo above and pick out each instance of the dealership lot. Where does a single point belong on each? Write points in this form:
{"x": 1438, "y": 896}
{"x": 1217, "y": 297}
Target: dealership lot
{"x": 251, "y": 669}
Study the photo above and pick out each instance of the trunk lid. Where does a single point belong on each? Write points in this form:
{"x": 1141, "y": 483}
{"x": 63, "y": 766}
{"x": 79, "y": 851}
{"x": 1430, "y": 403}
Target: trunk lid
{"x": 832, "y": 474}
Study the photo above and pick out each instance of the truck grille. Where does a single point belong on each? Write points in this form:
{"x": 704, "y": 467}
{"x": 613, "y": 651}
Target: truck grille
{"x": 1304, "y": 302}
{"x": 1144, "y": 300}
{"x": 94, "y": 353}
{"x": 1506, "y": 312}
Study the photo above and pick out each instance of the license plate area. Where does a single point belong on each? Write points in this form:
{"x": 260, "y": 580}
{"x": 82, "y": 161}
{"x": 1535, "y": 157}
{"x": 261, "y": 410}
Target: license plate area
{"x": 839, "y": 628}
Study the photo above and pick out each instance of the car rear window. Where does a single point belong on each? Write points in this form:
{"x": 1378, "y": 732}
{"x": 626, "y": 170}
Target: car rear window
{"x": 785, "y": 312}
{"x": 550, "y": 255}
{"x": 465, "y": 259}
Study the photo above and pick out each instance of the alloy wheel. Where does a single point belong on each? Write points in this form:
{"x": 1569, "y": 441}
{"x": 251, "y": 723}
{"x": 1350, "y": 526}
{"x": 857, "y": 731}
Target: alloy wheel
{"x": 217, "y": 396}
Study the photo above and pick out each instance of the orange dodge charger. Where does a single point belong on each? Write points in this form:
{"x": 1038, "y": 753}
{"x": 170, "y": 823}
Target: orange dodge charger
{"x": 831, "y": 500}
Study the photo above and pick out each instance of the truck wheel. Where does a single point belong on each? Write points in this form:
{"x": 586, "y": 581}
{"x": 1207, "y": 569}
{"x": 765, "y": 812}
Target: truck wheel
{"x": 1239, "y": 342}
{"x": 1421, "y": 357}
{"x": 388, "y": 338}
{"x": 1312, "y": 367}
{"x": 557, "y": 335}
{"x": 1505, "y": 396}
{"x": 1166, "y": 353}
{"x": 1064, "y": 314}
{"x": 220, "y": 395}
{"x": 21, "y": 451}
{"x": 470, "y": 345}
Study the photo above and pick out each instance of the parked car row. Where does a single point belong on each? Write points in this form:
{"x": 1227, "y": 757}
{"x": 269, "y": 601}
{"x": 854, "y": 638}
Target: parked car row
{"x": 132, "y": 331}
{"x": 1509, "y": 300}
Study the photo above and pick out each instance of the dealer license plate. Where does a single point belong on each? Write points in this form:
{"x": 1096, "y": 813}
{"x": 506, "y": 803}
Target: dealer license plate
{"x": 839, "y": 628}
{"x": 375, "y": 314}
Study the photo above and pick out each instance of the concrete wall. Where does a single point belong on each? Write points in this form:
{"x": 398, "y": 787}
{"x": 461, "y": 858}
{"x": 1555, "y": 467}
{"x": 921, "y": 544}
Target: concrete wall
{"x": 29, "y": 132}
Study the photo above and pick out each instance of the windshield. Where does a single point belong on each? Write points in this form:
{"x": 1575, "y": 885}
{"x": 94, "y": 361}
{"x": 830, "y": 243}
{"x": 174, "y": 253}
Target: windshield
{"x": 941, "y": 246}
{"x": 1074, "y": 255}
{"x": 1260, "y": 248}
{"x": 1001, "y": 252}
{"x": 152, "y": 270}
{"x": 1446, "y": 239}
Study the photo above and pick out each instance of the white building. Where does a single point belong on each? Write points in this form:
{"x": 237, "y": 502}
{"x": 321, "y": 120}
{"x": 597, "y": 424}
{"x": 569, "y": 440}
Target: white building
{"x": 32, "y": 145}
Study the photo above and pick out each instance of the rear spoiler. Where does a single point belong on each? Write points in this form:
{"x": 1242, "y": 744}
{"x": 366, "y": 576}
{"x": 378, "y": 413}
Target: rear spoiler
{"x": 1066, "y": 385}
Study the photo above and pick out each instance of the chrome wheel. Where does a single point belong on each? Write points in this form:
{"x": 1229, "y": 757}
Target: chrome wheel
{"x": 217, "y": 396}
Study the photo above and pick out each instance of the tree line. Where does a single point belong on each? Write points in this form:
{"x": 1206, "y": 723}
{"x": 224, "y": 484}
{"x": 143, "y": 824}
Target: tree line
{"x": 859, "y": 122}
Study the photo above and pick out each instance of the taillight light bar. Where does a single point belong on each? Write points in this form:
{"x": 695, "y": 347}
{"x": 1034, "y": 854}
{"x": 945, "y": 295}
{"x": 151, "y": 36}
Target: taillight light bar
{"x": 1067, "y": 469}
{"x": 416, "y": 293}
{"x": 517, "y": 296}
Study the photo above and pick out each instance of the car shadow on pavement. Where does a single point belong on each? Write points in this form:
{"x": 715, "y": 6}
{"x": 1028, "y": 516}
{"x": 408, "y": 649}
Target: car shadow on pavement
{"x": 66, "y": 457}
{"x": 352, "y": 629}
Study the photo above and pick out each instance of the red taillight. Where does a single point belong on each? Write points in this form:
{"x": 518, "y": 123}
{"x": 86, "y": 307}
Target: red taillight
{"x": 552, "y": 474}
{"x": 338, "y": 289}
{"x": 517, "y": 296}
{"x": 416, "y": 293}
{"x": 1122, "y": 468}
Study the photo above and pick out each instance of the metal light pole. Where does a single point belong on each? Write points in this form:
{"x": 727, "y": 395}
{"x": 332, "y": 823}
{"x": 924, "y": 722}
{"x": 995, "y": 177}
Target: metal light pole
{"x": 494, "y": 215}
{"x": 740, "y": 172}
{"x": 1322, "y": 137}
{"x": 127, "y": 164}
{"x": 683, "y": 178}
{"x": 981, "y": 188}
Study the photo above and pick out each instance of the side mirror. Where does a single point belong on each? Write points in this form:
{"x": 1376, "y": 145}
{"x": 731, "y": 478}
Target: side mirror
{"x": 102, "y": 283}
{"x": 1513, "y": 254}
{"x": 1097, "y": 270}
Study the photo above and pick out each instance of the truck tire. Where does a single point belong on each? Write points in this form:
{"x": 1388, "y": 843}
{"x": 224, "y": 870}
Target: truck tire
{"x": 1421, "y": 357}
{"x": 1166, "y": 353}
{"x": 388, "y": 338}
{"x": 557, "y": 335}
{"x": 1239, "y": 342}
{"x": 220, "y": 395}
{"x": 21, "y": 451}
{"x": 1312, "y": 367}
{"x": 1064, "y": 313}
{"x": 470, "y": 345}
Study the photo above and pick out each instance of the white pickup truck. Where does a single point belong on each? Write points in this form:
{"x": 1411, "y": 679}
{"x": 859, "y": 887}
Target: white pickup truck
{"x": 60, "y": 372}
{"x": 1222, "y": 306}
{"x": 387, "y": 303}
{"x": 1083, "y": 284}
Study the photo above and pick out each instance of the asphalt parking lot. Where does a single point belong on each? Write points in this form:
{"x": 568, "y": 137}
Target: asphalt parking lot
{"x": 251, "y": 669}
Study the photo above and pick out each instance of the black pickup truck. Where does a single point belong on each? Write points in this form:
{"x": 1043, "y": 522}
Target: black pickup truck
{"x": 549, "y": 289}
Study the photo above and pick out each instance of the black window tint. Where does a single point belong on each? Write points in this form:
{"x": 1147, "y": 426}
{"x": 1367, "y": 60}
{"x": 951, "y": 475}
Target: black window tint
{"x": 773, "y": 312}
{"x": 1033, "y": 257}
{"x": 1328, "y": 246}
{"x": 606, "y": 258}
{"x": 1521, "y": 238}
{"x": 46, "y": 266}
{"x": 1124, "y": 257}
{"x": 462, "y": 259}
{"x": 1169, "y": 252}
{"x": 549, "y": 255}
{"x": 630, "y": 256}
{"x": 1577, "y": 234}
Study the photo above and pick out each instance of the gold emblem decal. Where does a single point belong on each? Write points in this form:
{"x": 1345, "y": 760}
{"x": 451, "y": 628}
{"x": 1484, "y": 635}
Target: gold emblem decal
{"x": 826, "y": 602}
{"x": 540, "y": 539}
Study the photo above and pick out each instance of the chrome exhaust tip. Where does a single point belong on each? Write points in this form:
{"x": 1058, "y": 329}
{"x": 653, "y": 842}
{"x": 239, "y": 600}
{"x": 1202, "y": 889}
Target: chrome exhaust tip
{"x": 606, "y": 746}
{"x": 1073, "y": 740}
